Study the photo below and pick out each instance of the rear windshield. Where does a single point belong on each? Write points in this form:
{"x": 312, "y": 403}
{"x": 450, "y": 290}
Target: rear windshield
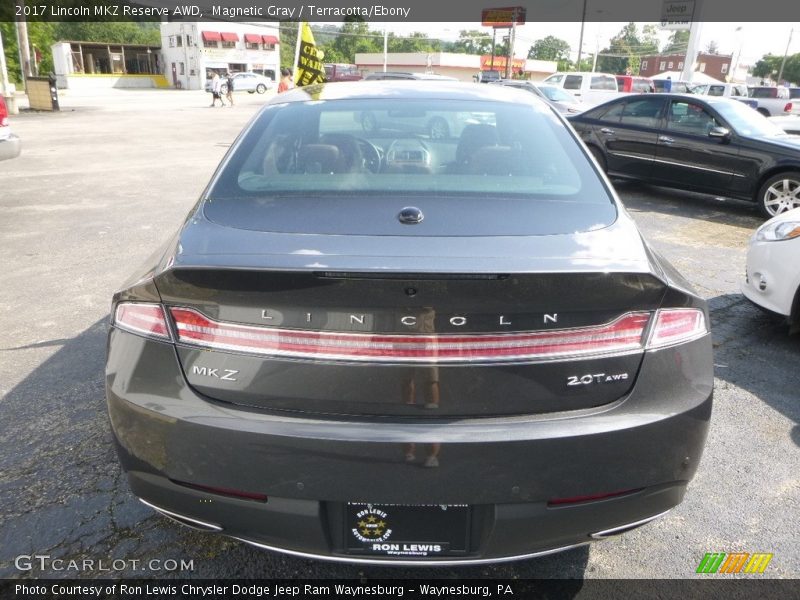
{"x": 496, "y": 155}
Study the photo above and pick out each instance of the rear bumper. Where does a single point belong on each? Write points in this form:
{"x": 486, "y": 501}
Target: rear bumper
{"x": 506, "y": 468}
{"x": 10, "y": 147}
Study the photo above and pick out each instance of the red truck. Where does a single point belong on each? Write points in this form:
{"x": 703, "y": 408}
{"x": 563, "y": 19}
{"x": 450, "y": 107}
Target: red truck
{"x": 341, "y": 72}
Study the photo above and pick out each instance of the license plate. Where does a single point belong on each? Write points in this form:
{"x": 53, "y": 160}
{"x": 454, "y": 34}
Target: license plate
{"x": 407, "y": 531}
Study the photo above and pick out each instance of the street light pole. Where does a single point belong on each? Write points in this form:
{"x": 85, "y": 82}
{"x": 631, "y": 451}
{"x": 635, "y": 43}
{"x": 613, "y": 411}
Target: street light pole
{"x": 580, "y": 41}
{"x": 785, "y": 54}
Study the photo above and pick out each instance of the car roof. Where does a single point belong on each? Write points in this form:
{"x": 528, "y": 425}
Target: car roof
{"x": 403, "y": 89}
{"x": 696, "y": 97}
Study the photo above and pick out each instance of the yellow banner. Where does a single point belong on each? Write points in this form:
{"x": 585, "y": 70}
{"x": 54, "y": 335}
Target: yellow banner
{"x": 309, "y": 64}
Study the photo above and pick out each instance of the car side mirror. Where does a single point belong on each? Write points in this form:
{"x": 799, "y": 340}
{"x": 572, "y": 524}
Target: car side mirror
{"x": 722, "y": 133}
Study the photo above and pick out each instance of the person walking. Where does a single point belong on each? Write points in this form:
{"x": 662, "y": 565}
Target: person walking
{"x": 216, "y": 87}
{"x": 229, "y": 93}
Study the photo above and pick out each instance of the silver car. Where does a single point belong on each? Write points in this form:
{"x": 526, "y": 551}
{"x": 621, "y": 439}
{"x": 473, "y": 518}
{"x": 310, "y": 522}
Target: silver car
{"x": 562, "y": 101}
{"x": 245, "y": 82}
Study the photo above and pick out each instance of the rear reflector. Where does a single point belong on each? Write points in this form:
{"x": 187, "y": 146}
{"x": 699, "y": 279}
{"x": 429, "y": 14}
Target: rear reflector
{"x": 677, "y": 325}
{"x": 590, "y": 498}
{"x": 144, "y": 319}
{"x": 623, "y": 334}
{"x": 225, "y": 491}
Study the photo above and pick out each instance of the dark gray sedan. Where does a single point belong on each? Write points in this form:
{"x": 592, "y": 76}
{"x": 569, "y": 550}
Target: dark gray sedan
{"x": 388, "y": 347}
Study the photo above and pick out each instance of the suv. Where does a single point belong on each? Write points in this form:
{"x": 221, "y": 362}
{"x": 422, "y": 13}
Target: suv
{"x": 10, "y": 145}
{"x": 593, "y": 88}
{"x": 341, "y": 72}
{"x": 487, "y": 76}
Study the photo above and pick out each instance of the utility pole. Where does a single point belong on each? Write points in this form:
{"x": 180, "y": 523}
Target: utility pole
{"x": 785, "y": 54}
{"x": 580, "y": 41}
{"x": 5, "y": 91}
{"x": 22, "y": 44}
{"x": 510, "y": 62}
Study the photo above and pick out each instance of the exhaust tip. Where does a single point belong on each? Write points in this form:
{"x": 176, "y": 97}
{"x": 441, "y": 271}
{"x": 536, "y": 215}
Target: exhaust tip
{"x": 183, "y": 519}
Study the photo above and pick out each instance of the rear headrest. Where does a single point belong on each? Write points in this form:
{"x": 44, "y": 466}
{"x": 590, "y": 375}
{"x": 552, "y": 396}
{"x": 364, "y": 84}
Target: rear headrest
{"x": 498, "y": 160}
{"x": 318, "y": 158}
{"x": 474, "y": 137}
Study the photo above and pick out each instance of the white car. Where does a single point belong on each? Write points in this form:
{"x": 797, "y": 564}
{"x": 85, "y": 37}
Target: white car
{"x": 772, "y": 278}
{"x": 245, "y": 82}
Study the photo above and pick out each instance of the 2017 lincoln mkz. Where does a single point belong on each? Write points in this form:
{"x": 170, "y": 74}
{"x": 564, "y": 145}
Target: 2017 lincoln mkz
{"x": 371, "y": 343}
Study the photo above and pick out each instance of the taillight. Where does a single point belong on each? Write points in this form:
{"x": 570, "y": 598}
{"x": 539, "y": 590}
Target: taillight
{"x": 623, "y": 334}
{"x": 677, "y": 325}
{"x": 3, "y": 113}
{"x": 143, "y": 319}
{"x": 788, "y": 107}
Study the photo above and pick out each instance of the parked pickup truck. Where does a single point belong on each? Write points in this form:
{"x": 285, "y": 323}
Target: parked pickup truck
{"x": 774, "y": 101}
{"x": 726, "y": 90}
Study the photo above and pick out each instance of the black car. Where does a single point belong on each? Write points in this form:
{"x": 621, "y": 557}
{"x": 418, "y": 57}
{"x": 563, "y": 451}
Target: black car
{"x": 704, "y": 144}
{"x": 387, "y": 347}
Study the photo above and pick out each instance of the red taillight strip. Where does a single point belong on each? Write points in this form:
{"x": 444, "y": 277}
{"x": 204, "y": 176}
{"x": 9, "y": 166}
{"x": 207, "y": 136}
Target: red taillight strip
{"x": 144, "y": 319}
{"x": 622, "y": 334}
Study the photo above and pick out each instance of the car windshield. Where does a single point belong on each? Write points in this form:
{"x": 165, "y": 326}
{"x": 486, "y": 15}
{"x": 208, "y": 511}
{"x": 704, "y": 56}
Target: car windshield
{"x": 376, "y": 145}
{"x": 556, "y": 94}
{"x": 745, "y": 120}
{"x": 516, "y": 164}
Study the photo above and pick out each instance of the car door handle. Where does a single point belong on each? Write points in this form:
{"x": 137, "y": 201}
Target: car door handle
{"x": 607, "y": 131}
{"x": 665, "y": 139}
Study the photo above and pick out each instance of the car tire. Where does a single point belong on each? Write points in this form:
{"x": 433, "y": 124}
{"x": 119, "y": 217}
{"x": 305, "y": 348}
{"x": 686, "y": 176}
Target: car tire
{"x": 251, "y": 91}
{"x": 598, "y": 156}
{"x": 779, "y": 193}
{"x": 223, "y": 89}
{"x": 763, "y": 111}
{"x": 261, "y": 88}
{"x": 438, "y": 129}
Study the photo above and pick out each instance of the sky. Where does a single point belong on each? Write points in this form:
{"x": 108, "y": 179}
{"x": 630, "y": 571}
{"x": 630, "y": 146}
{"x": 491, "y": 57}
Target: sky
{"x": 754, "y": 39}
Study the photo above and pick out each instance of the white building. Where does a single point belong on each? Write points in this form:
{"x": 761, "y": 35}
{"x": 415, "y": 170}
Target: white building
{"x": 191, "y": 51}
{"x": 460, "y": 66}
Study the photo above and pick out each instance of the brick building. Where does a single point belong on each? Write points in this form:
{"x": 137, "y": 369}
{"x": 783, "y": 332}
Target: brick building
{"x": 717, "y": 66}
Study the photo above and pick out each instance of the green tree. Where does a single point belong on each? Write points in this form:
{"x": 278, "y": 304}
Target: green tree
{"x": 416, "y": 42}
{"x": 288, "y": 31}
{"x": 626, "y": 45}
{"x": 765, "y": 66}
{"x": 473, "y": 42}
{"x": 677, "y": 42}
{"x": 122, "y": 32}
{"x": 549, "y": 48}
{"x": 354, "y": 36}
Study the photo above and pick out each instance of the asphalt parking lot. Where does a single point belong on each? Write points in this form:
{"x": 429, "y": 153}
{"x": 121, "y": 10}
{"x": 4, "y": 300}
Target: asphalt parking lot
{"x": 101, "y": 184}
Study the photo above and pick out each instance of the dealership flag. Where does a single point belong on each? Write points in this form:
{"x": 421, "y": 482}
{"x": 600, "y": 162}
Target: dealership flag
{"x": 309, "y": 68}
